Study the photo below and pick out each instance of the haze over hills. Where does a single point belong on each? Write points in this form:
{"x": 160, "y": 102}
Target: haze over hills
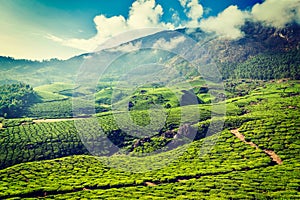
{"x": 258, "y": 41}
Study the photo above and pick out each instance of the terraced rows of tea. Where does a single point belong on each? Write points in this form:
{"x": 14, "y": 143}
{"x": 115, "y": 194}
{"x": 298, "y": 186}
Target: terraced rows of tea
{"x": 49, "y": 160}
{"x": 78, "y": 172}
{"x": 276, "y": 134}
{"x": 38, "y": 142}
{"x": 21, "y": 142}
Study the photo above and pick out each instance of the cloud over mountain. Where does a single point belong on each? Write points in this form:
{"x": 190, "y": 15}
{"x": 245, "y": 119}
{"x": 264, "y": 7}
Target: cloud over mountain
{"x": 193, "y": 11}
{"x": 227, "y": 24}
{"x": 129, "y": 47}
{"x": 169, "y": 45}
{"x": 142, "y": 14}
{"x": 277, "y": 13}
{"x": 148, "y": 14}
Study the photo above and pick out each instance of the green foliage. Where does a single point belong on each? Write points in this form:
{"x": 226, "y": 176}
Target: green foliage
{"x": 52, "y": 109}
{"x": 273, "y": 182}
{"x": 238, "y": 88}
{"x": 55, "y": 101}
{"x": 15, "y": 122}
{"x": 55, "y": 87}
{"x": 265, "y": 66}
{"x": 15, "y": 98}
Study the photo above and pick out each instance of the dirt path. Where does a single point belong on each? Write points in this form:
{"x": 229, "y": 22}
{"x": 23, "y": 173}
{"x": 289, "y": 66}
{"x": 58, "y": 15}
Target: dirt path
{"x": 150, "y": 184}
{"x": 56, "y": 120}
{"x": 242, "y": 138}
{"x": 270, "y": 153}
{"x": 274, "y": 156}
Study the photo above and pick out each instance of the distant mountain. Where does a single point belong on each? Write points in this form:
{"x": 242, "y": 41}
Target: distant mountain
{"x": 262, "y": 45}
{"x": 37, "y": 72}
{"x": 258, "y": 39}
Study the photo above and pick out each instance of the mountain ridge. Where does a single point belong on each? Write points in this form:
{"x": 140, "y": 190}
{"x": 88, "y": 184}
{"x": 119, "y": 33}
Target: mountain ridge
{"x": 253, "y": 31}
{"x": 258, "y": 41}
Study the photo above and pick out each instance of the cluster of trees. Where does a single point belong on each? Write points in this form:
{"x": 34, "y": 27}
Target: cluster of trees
{"x": 6, "y": 62}
{"x": 265, "y": 67}
{"x": 15, "y": 99}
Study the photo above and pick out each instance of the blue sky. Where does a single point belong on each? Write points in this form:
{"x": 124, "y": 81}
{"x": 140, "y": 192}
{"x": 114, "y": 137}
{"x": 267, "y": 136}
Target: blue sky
{"x": 43, "y": 29}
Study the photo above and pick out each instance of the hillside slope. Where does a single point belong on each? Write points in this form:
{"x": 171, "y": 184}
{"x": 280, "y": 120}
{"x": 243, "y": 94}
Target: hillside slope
{"x": 230, "y": 169}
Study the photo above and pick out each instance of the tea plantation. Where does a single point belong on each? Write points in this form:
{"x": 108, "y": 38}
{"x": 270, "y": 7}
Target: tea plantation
{"x": 56, "y": 160}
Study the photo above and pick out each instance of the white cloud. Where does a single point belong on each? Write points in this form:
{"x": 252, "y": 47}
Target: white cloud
{"x": 142, "y": 14}
{"x": 147, "y": 14}
{"x": 193, "y": 10}
{"x": 87, "y": 57}
{"x": 128, "y": 47}
{"x": 168, "y": 45}
{"x": 175, "y": 17}
{"x": 53, "y": 38}
{"x": 277, "y": 13}
{"x": 183, "y": 2}
{"x": 227, "y": 24}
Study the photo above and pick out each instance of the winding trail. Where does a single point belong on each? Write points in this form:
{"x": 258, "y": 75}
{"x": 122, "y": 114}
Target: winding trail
{"x": 270, "y": 153}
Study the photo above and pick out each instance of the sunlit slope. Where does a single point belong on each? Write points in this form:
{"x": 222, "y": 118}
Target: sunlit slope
{"x": 263, "y": 106}
{"x": 268, "y": 116}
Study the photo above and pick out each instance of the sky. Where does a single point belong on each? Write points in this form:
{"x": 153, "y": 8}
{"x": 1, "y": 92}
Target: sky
{"x": 45, "y": 29}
